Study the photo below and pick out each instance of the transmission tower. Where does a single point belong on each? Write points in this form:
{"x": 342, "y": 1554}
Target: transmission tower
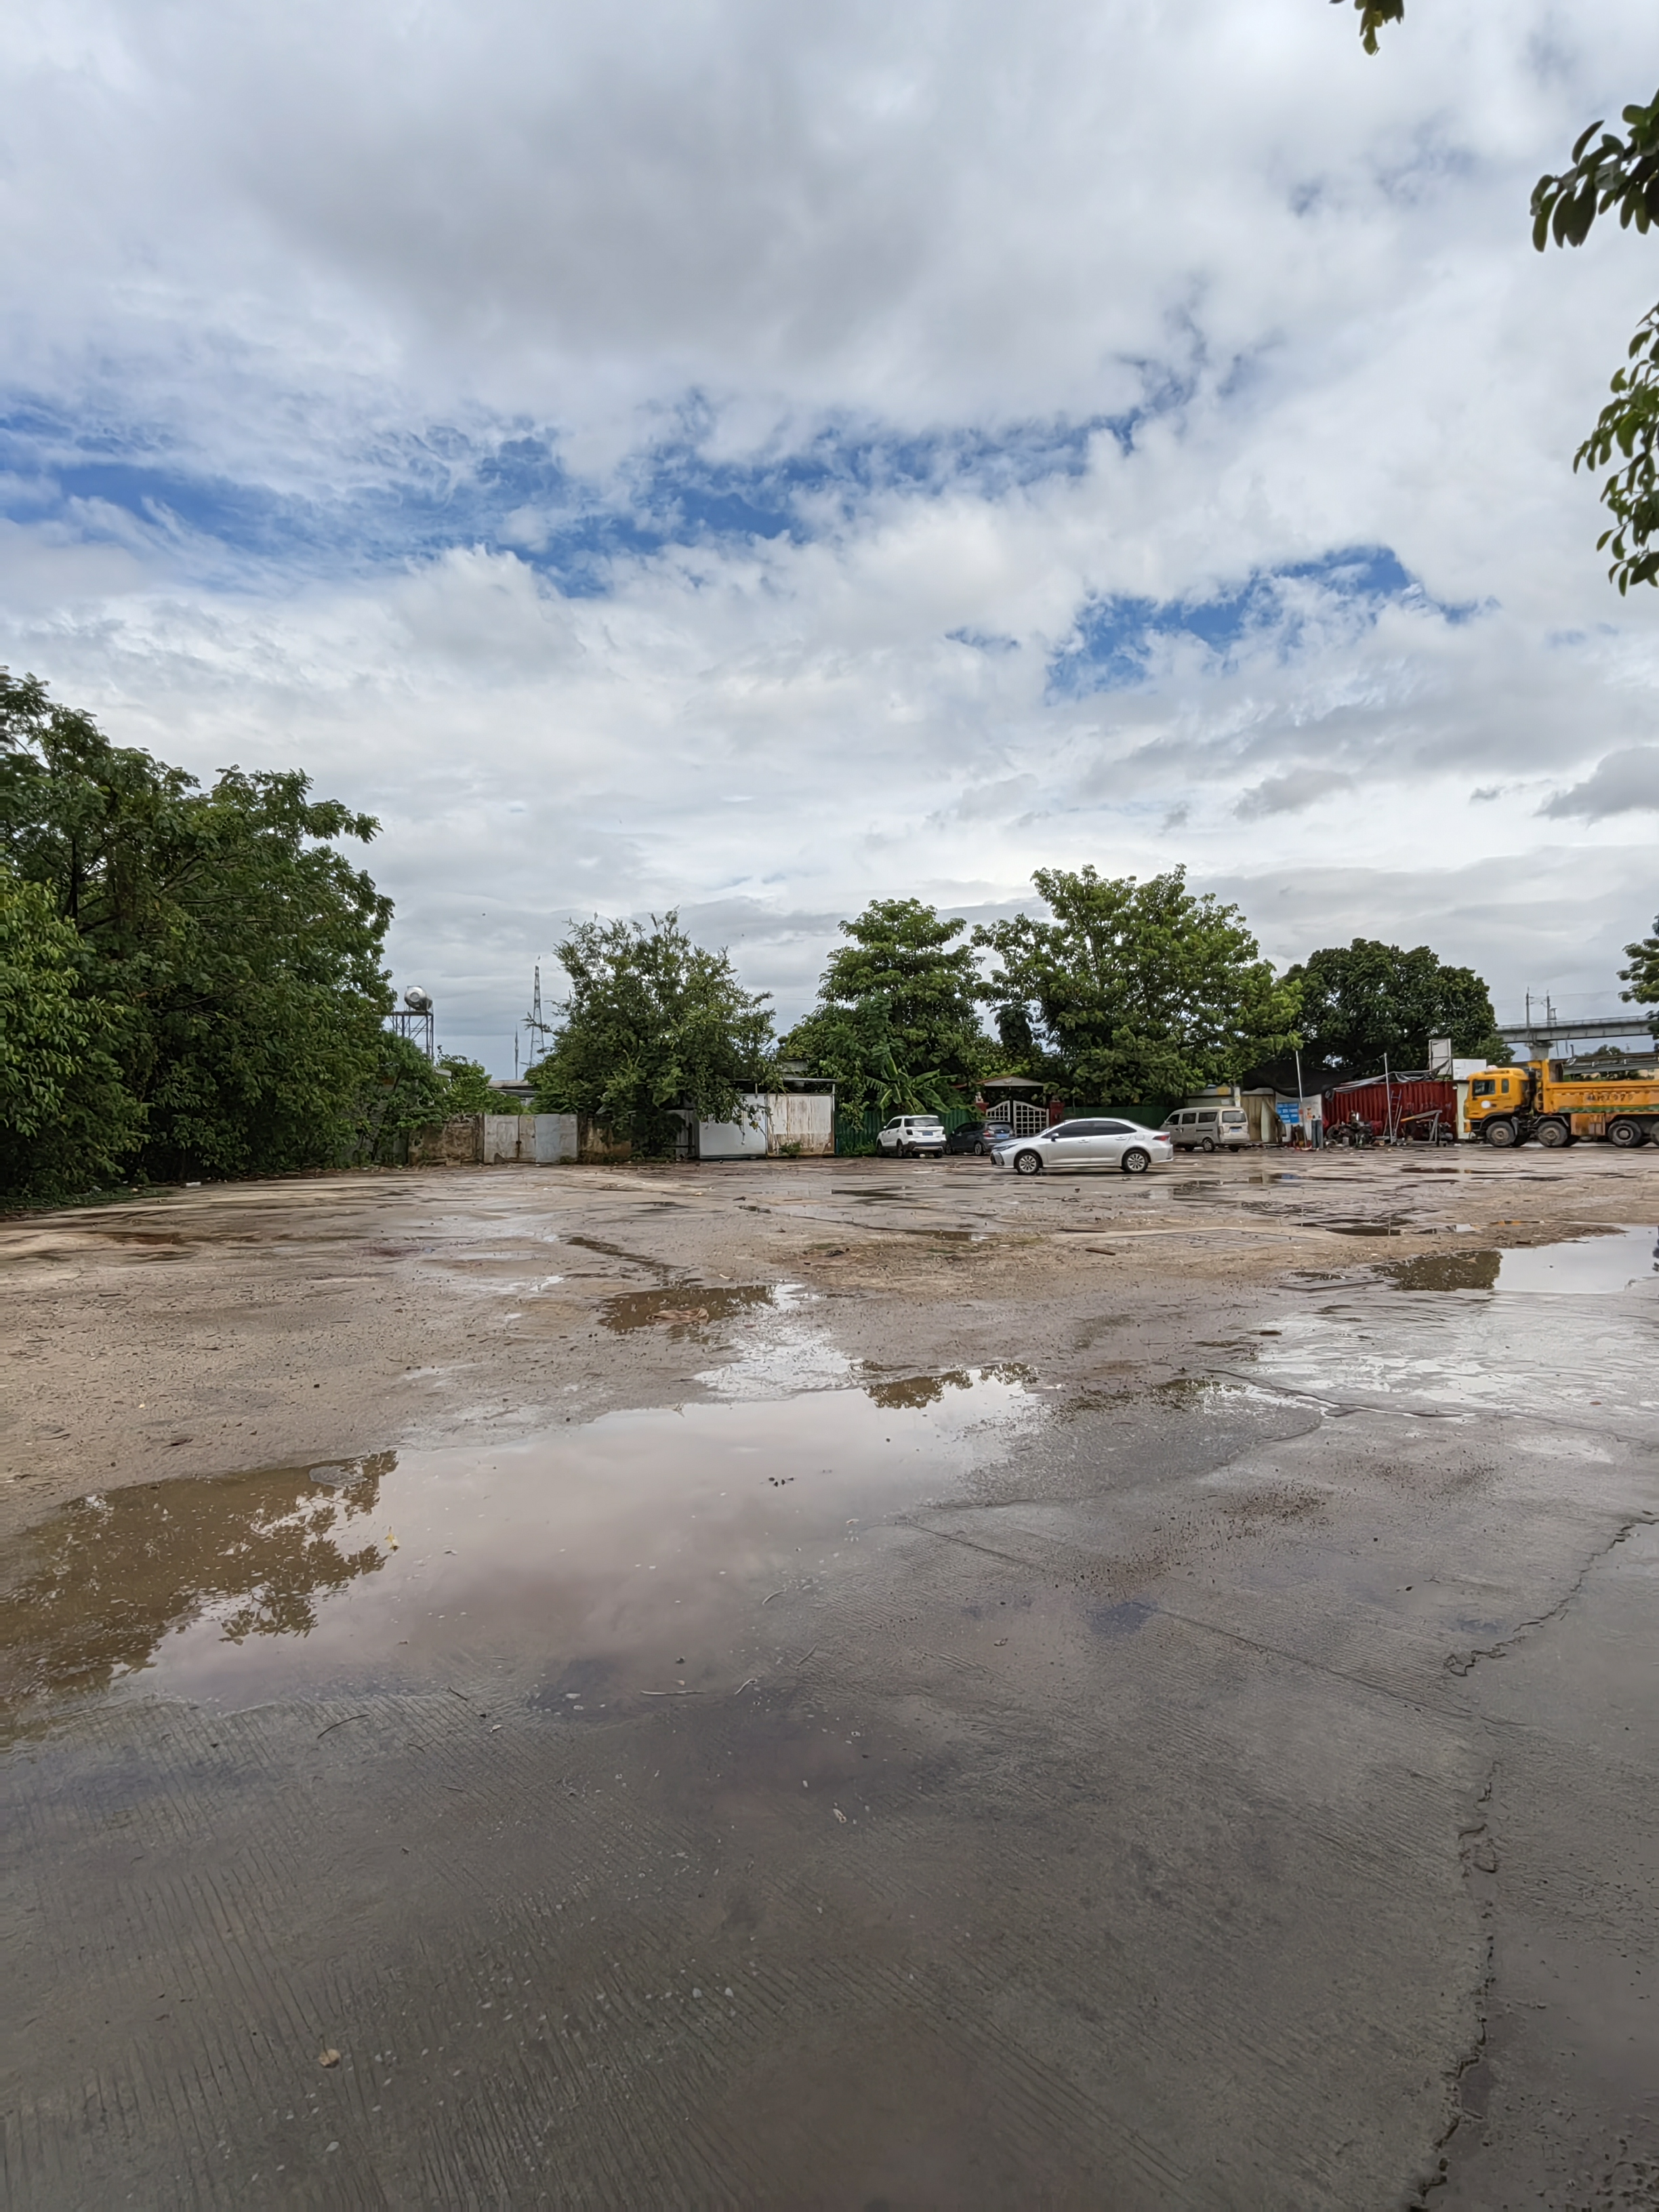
{"x": 538, "y": 1027}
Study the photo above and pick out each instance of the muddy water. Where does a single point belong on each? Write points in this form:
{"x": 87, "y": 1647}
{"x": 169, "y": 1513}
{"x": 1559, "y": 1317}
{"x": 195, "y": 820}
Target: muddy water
{"x": 585, "y": 1569}
{"x": 1601, "y": 1265}
{"x": 1564, "y": 1330}
{"x": 681, "y": 1310}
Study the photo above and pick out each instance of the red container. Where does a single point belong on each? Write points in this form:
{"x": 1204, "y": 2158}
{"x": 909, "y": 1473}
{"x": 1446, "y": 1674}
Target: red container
{"x": 1412, "y": 1107}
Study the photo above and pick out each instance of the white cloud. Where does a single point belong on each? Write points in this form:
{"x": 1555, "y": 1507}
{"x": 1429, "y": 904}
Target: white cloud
{"x": 286, "y": 286}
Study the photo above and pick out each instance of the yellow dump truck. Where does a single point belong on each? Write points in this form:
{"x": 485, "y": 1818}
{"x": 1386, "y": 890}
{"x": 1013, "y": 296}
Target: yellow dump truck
{"x": 1558, "y": 1101}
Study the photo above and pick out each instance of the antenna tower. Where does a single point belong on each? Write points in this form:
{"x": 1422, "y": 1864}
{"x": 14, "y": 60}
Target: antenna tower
{"x": 539, "y": 1027}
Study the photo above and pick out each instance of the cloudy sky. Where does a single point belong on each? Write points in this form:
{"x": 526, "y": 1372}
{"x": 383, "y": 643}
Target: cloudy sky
{"x": 757, "y": 457}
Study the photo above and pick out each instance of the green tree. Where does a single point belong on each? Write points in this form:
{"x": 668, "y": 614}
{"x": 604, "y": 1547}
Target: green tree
{"x": 1373, "y": 13}
{"x": 652, "y": 1022}
{"x": 468, "y": 1089}
{"x": 1362, "y": 1000}
{"x": 243, "y": 949}
{"x": 405, "y": 1093}
{"x": 1136, "y": 991}
{"x": 1643, "y": 975}
{"x": 67, "y": 1121}
{"x": 898, "y": 1017}
{"x": 1611, "y": 172}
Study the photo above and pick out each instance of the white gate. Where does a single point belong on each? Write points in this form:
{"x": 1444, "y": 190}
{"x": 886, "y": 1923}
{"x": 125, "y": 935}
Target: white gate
{"x": 1019, "y": 1118}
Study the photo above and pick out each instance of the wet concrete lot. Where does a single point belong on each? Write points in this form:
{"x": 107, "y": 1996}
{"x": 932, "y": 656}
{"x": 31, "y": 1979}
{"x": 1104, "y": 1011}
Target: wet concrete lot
{"x": 837, "y": 1685}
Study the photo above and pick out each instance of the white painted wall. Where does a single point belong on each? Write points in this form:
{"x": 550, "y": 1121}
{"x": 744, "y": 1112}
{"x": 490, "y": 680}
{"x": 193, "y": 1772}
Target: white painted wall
{"x": 744, "y": 1140}
{"x": 806, "y": 1118}
{"x": 771, "y": 1119}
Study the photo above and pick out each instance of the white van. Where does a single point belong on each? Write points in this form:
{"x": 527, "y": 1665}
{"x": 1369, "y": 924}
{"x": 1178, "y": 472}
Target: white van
{"x": 1203, "y": 1129}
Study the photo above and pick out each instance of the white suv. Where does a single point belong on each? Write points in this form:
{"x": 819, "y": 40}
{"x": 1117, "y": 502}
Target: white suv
{"x": 908, "y": 1134}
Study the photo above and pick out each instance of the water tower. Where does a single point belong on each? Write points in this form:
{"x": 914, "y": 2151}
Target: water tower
{"x": 414, "y": 1019}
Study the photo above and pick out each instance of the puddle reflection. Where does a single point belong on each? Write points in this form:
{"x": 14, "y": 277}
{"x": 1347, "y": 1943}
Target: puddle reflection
{"x": 1376, "y": 1225}
{"x": 633, "y": 1551}
{"x": 100, "y": 1585}
{"x": 913, "y": 1390}
{"x": 1445, "y": 1271}
{"x": 1615, "y": 1260}
{"x": 680, "y": 1311}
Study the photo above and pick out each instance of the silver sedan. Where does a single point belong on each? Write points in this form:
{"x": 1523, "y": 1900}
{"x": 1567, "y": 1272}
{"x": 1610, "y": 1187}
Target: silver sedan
{"x": 1070, "y": 1146}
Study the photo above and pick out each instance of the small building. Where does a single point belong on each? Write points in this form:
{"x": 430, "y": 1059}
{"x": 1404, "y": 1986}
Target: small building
{"x": 1270, "y": 1114}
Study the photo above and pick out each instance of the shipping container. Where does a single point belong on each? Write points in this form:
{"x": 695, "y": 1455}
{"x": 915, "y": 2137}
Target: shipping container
{"x": 1416, "y": 1109}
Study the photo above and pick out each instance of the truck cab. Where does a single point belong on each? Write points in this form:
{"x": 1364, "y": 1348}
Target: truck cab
{"x": 1613, "y": 1100}
{"x": 1498, "y": 1106}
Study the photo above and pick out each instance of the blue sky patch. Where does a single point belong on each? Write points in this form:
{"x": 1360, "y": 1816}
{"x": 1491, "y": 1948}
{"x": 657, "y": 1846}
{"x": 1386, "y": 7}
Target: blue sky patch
{"x": 503, "y": 487}
{"x": 1120, "y": 642}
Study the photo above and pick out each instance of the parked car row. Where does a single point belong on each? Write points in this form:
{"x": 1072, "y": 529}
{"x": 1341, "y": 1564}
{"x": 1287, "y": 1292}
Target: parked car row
{"x": 1064, "y": 1147}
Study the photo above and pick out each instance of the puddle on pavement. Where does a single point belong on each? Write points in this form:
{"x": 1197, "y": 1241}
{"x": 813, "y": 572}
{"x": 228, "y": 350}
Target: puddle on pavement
{"x": 1375, "y": 1225}
{"x": 642, "y": 1552}
{"x": 679, "y": 1311}
{"x": 877, "y": 1197}
{"x": 1604, "y": 1264}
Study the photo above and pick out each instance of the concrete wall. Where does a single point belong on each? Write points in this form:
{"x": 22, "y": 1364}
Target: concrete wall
{"x": 458, "y": 1143}
{"x": 802, "y": 1118}
{"x": 597, "y": 1146}
{"x": 556, "y": 1138}
{"x": 471, "y": 1141}
{"x": 806, "y": 1118}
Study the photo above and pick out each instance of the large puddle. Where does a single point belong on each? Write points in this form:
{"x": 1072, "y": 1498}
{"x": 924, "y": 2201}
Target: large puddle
{"x": 1605, "y": 1265}
{"x": 641, "y": 1554}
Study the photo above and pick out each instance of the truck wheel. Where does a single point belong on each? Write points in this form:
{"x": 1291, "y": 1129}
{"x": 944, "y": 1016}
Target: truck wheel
{"x": 1028, "y": 1163}
{"x": 1554, "y": 1135}
{"x": 1501, "y": 1134}
{"x": 1628, "y": 1135}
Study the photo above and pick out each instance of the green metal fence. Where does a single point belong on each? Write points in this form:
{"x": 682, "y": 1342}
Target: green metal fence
{"x": 856, "y": 1134}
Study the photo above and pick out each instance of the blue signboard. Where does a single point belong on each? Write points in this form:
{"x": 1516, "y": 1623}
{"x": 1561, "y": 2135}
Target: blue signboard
{"x": 1290, "y": 1115}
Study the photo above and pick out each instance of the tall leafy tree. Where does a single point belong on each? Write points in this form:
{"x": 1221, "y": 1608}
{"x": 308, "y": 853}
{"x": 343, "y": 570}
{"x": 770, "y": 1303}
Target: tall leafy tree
{"x": 1643, "y": 975}
{"x": 405, "y": 1093}
{"x": 1136, "y": 991}
{"x": 1364, "y": 1000}
{"x": 67, "y": 1121}
{"x": 244, "y": 951}
{"x": 466, "y": 1088}
{"x": 896, "y": 1024}
{"x": 652, "y": 1022}
{"x": 1604, "y": 173}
